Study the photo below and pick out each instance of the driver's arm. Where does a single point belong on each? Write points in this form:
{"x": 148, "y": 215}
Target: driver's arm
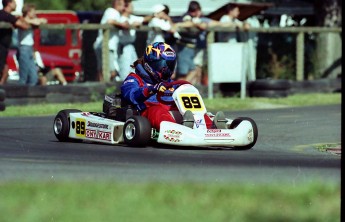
{"x": 133, "y": 92}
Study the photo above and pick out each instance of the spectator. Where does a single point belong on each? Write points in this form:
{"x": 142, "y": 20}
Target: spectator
{"x": 127, "y": 52}
{"x": 171, "y": 37}
{"x": 191, "y": 43}
{"x": 112, "y": 15}
{"x": 161, "y": 24}
{"x": 231, "y": 19}
{"x": 27, "y": 67}
{"x": 200, "y": 58}
{"x": 4, "y": 73}
{"x": 6, "y": 34}
{"x": 47, "y": 76}
{"x": 253, "y": 39}
{"x": 52, "y": 76}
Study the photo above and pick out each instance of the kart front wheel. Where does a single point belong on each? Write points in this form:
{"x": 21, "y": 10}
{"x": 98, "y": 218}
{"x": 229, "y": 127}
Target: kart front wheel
{"x": 61, "y": 125}
{"x": 137, "y": 131}
{"x": 237, "y": 121}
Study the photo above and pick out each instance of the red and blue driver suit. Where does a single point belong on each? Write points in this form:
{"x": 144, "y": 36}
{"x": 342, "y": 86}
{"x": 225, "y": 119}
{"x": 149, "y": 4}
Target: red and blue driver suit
{"x": 152, "y": 71}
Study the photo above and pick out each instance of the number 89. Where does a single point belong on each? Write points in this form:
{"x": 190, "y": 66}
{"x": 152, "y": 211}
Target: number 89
{"x": 191, "y": 102}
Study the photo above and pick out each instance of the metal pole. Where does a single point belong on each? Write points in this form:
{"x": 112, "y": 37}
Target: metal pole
{"x": 105, "y": 55}
{"x": 210, "y": 40}
{"x": 245, "y": 62}
{"x": 300, "y": 56}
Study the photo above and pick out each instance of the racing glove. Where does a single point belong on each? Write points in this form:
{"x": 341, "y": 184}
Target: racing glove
{"x": 158, "y": 87}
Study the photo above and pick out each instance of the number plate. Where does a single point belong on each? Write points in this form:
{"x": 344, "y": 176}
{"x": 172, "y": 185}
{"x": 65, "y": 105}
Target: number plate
{"x": 191, "y": 102}
{"x": 80, "y": 127}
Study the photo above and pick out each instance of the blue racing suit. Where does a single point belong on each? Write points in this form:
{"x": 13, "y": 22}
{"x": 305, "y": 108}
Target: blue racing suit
{"x": 136, "y": 89}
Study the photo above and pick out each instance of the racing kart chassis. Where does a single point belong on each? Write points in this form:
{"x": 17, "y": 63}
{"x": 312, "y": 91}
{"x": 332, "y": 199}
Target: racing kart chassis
{"x": 135, "y": 130}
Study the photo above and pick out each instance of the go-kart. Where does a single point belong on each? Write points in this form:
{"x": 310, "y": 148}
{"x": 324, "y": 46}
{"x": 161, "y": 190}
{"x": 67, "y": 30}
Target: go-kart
{"x": 121, "y": 124}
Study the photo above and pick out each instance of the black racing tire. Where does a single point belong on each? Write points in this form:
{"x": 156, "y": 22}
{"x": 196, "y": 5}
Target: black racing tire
{"x": 137, "y": 131}
{"x": 236, "y": 122}
{"x": 2, "y": 106}
{"x": 269, "y": 93}
{"x": 61, "y": 125}
{"x": 2, "y": 95}
{"x": 270, "y": 84}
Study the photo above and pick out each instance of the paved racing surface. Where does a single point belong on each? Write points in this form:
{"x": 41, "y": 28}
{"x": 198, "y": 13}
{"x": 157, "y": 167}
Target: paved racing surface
{"x": 284, "y": 153}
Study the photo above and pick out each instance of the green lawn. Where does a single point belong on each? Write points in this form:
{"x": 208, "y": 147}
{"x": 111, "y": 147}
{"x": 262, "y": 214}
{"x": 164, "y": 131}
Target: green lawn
{"x": 156, "y": 202}
{"x": 216, "y": 104}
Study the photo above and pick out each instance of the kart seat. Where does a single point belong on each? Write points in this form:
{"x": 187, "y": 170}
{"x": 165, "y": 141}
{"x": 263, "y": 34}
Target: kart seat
{"x": 118, "y": 109}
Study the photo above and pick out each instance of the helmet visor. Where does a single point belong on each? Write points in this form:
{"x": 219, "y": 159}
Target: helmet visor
{"x": 165, "y": 68}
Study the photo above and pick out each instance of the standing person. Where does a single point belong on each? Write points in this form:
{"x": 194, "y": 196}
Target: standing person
{"x": 189, "y": 43}
{"x": 127, "y": 52}
{"x": 253, "y": 39}
{"x": 111, "y": 15}
{"x": 200, "y": 58}
{"x": 249, "y": 49}
{"x": 162, "y": 23}
{"x": 6, "y": 34}
{"x": 231, "y": 18}
{"x": 27, "y": 67}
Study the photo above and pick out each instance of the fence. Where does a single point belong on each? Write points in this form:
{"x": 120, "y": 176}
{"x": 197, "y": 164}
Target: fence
{"x": 299, "y": 49}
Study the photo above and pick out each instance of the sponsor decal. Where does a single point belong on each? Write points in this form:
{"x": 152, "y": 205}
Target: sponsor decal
{"x": 128, "y": 81}
{"x": 172, "y": 135}
{"x": 85, "y": 114}
{"x": 169, "y": 54}
{"x": 198, "y": 122}
{"x": 97, "y": 134}
{"x": 108, "y": 99}
{"x": 148, "y": 68}
{"x": 214, "y": 131}
{"x": 97, "y": 125}
{"x": 212, "y": 135}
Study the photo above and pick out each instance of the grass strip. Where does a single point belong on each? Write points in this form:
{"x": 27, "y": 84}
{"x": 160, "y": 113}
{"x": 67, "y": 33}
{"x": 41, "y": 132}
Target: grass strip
{"x": 216, "y": 104}
{"x": 156, "y": 202}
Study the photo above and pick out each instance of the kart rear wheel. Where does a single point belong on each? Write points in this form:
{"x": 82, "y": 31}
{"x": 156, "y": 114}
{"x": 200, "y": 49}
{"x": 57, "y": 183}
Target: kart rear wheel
{"x": 137, "y": 131}
{"x": 2, "y": 106}
{"x": 61, "y": 125}
{"x": 236, "y": 122}
{"x": 2, "y": 94}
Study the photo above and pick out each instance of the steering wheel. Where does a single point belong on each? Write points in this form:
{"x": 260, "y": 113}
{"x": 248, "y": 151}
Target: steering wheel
{"x": 165, "y": 93}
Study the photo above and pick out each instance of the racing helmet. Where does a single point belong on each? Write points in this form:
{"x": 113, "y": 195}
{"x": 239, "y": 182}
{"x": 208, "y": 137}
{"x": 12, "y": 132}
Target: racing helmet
{"x": 159, "y": 61}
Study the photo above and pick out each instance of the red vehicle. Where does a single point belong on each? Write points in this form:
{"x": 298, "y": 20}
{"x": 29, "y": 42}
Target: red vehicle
{"x": 58, "y": 47}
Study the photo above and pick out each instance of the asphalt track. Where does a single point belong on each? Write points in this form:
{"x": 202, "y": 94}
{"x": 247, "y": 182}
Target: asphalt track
{"x": 284, "y": 153}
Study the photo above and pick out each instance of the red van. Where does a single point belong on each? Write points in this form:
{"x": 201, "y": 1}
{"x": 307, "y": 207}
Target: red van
{"x": 58, "y": 47}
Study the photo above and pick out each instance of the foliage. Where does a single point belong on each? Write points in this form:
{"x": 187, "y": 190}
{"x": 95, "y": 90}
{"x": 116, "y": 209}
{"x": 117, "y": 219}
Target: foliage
{"x": 277, "y": 49}
{"x": 77, "y": 5}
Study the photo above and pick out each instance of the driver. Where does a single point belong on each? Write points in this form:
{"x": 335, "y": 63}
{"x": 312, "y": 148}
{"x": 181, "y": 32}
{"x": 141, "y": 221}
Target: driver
{"x": 152, "y": 73}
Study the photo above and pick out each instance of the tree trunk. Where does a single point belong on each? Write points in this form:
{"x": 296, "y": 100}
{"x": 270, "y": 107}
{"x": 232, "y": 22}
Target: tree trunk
{"x": 328, "y": 47}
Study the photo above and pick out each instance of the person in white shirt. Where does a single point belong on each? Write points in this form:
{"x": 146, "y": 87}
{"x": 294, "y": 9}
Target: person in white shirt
{"x": 231, "y": 18}
{"x": 27, "y": 67}
{"x": 127, "y": 52}
{"x": 111, "y": 15}
{"x": 161, "y": 22}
